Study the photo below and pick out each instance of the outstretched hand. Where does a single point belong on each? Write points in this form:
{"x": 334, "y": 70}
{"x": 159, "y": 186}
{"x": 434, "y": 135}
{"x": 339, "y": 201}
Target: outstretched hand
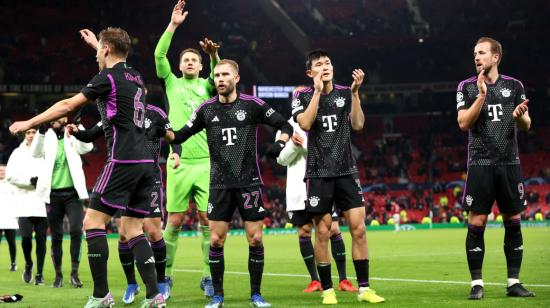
{"x": 89, "y": 37}
{"x": 178, "y": 15}
{"x": 358, "y": 77}
{"x": 208, "y": 46}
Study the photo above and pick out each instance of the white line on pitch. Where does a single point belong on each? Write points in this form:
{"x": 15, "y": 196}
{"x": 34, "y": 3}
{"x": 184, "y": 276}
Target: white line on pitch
{"x": 371, "y": 278}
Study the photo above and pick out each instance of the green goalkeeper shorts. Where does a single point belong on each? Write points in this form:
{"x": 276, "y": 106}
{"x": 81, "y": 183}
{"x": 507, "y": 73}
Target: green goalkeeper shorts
{"x": 190, "y": 180}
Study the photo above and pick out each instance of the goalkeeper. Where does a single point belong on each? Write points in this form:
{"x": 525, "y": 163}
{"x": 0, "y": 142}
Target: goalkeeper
{"x": 191, "y": 179}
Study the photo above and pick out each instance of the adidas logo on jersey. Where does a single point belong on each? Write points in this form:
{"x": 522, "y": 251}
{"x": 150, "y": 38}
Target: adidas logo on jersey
{"x": 150, "y": 260}
{"x": 261, "y": 209}
{"x": 157, "y": 210}
{"x": 215, "y": 119}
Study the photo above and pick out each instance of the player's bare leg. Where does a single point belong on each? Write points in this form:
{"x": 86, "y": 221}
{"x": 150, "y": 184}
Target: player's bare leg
{"x": 338, "y": 249}
{"x": 359, "y": 252}
{"x": 308, "y": 254}
{"x": 323, "y": 224}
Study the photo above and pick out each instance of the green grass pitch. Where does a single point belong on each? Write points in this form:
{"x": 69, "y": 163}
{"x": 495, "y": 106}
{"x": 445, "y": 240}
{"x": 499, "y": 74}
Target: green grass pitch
{"x": 424, "y": 268}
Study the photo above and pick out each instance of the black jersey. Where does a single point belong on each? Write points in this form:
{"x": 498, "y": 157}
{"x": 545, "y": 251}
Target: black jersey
{"x": 154, "y": 117}
{"x": 492, "y": 139}
{"x": 231, "y": 132}
{"x": 329, "y": 139}
{"x": 119, "y": 94}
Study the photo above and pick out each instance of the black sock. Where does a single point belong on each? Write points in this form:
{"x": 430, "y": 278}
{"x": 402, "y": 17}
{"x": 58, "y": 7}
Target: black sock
{"x": 217, "y": 268}
{"x": 26, "y": 244}
{"x": 324, "y": 273}
{"x": 159, "y": 251}
{"x": 475, "y": 250}
{"x": 10, "y": 237}
{"x": 127, "y": 261}
{"x": 98, "y": 254}
{"x": 308, "y": 254}
{"x": 57, "y": 256}
{"x": 362, "y": 272}
{"x": 255, "y": 268}
{"x": 145, "y": 263}
{"x": 339, "y": 254}
{"x": 513, "y": 247}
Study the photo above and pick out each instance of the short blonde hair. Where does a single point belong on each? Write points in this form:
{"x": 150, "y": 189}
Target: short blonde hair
{"x": 231, "y": 63}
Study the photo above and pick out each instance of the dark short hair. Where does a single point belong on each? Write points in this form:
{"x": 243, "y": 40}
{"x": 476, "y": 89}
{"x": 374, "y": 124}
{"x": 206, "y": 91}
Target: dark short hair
{"x": 191, "y": 50}
{"x": 496, "y": 47}
{"x": 231, "y": 63}
{"x": 118, "y": 39}
{"x": 314, "y": 55}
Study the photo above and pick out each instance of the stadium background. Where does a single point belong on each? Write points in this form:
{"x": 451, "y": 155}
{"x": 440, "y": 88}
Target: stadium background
{"x": 414, "y": 53}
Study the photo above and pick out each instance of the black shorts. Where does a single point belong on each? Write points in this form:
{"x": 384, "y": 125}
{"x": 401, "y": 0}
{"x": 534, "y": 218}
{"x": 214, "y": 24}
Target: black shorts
{"x": 157, "y": 198}
{"x": 126, "y": 187}
{"x": 343, "y": 192}
{"x": 487, "y": 184}
{"x": 300, "y": 217}
{"x": 248, "y": 200}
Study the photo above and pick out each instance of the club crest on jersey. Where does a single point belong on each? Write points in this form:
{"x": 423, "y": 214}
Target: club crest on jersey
{"x": 506, "y": 92}
{"x": 340, "y": 102}
{"x": 469, "y": 200}
{"x": 290, "y": 214}
{"x": 459, "y": 97}
{"x": 241, "y": 115}
{"x": 295, "y": 103}
{"x": 314, "y": 201}
{"x": 210, "y": 207}
{"x": 523, "y": 97}
{"x": 147, "y": 123}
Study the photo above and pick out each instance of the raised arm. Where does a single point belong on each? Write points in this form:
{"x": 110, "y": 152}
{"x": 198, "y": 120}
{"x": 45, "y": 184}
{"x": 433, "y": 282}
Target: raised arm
{"x": 468, "y": 117}
{"x": 162, "y": 64}
{"x": 211, "y": 48}
{"x": 357, "y": 117}
{"x": 58, "y": 110}
{"x": 307, "y": 118}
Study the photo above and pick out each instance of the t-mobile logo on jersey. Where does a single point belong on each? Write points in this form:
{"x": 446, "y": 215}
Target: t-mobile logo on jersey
{"x": 495, "y": 111}
{"x": 229, "y": 135}
{"x": 329, "y": 122}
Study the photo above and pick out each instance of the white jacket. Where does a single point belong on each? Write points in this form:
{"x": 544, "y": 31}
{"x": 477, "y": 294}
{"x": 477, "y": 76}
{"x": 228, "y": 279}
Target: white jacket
{"x": 22, "y": 166}
{"x": 294, "y": 158}
{"x": 7, "y": 206}
{"x": 45, "y": 146}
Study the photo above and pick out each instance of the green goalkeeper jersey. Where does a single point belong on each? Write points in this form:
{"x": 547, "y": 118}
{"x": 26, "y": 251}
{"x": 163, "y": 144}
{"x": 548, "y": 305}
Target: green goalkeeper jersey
{"x": 184, "y": 96}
